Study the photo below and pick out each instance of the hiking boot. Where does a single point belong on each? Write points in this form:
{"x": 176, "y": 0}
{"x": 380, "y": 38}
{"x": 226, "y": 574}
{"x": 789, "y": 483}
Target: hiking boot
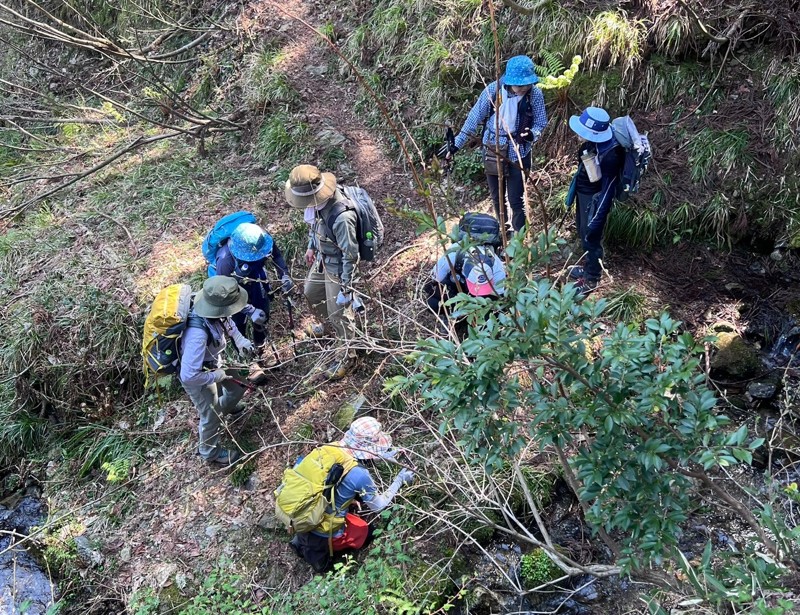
{"x": 257, "y": 375}
{"x": 294, "y": 544}
{"x": 224, "y": 457}
{"x": 315, "y": 330}
{"x": 584, "y": 287}
{"x": 576, "y": 273}
{"x": 239, "y": 414}
{"x": 342, "y": 368}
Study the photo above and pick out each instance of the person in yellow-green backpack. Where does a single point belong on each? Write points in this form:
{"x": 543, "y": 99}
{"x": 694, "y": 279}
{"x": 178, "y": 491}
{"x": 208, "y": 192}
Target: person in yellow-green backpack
{"x": 341, "y": 530}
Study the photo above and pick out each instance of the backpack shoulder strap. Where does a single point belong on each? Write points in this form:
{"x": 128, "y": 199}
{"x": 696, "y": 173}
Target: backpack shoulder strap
{"x": 338, "y": 208}
{"x": 198, "y": 322}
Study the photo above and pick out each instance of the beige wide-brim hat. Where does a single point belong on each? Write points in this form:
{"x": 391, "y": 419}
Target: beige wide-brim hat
{"x": 221, "y": 296}
{"x": 307, "y": 186}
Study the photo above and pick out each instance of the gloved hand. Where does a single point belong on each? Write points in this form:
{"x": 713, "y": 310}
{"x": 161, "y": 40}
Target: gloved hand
{"x": 220, "y": 375}
{"x": 246, "y": 348}
{"x": 259, "y": 317}
{"x": 446, "y": 151}
{"x": 343, "y": 298}
{"x": 528, "y": 135}
{"x": 286, "y": 283}
{"x": 405, "y": 476}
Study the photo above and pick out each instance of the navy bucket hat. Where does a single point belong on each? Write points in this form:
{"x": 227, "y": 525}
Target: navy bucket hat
{"x": 594, "y": 125}
{"x": 250, "y": 243}
{"x": 520, "y": 71}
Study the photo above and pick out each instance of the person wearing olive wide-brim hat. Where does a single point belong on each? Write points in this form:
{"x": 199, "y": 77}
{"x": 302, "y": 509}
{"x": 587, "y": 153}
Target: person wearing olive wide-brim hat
{"x": 594, "y": 186}
{"x": 512, "y": 130}
{"x": 332, "y": 256}
{"x": 203, "y": 343}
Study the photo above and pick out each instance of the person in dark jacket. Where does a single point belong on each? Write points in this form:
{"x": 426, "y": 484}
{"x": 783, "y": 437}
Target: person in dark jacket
{"x": 245, "y": 257}
{"x": 512, "y": 130}
{"x": 595, "y": 184}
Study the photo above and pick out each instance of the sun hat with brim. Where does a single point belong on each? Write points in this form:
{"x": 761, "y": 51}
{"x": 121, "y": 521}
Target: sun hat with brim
{"x": 221, "y": 296}
{"x": 250, "y": 243}
{"x": 367, "y": 440}
{"x": 479, "y": 273}
{"x": 307, "y": 186}
{"x": 520, "y": 71}
{"x": 594, "y": 125}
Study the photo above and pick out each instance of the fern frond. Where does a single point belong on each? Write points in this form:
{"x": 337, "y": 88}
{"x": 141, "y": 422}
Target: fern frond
{"x": 552, "y": 64}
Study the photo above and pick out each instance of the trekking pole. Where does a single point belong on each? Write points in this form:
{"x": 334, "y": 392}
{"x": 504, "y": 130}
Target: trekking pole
{"x": 290, "y": 310}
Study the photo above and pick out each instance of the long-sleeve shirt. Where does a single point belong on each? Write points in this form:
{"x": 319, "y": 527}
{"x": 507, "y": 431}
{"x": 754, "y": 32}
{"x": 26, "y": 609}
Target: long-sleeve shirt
{"x": 226, "y": 263}
{"x": 202, "y": 343}
{"x": 338, "y": 247}
{"x": 441, "y": 270}
{"x": 611, "y": 157}
{"x": 483, "y": 111}
{"x": 358, "y": 482}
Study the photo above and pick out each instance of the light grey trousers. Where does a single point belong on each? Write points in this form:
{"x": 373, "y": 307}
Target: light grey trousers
{"x": 212, "y": 403}
{"x": 320, "y": 290}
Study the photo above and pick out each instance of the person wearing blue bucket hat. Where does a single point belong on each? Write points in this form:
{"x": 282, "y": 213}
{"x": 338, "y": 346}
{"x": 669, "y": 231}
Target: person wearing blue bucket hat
{"x": 513, "y": 114}
{"x": 593, "y": 187}
{"x": 244, "y": 257}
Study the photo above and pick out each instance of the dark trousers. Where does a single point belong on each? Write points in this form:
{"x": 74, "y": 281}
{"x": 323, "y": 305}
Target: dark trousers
{"x": 514, "y": 183}
{"x": 592, "y": 243}
{"x": 258, "y": 297}
{"x": 436, "y": 295}
{"x": 316, "y": 550}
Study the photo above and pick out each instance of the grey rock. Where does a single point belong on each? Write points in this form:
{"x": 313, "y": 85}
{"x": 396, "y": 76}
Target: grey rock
{"x": 87, "y": 555}
{"x": 762, "y": 390}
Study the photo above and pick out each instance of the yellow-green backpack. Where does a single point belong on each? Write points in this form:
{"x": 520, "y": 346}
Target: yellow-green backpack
{"x": 309, "y": 488}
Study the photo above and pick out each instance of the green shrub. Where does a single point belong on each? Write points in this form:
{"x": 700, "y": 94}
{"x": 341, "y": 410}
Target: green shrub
{"x": 536, "y": 569}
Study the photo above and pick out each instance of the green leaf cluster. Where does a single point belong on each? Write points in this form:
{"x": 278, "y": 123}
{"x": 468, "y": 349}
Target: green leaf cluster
{"x": 631, "y": 405}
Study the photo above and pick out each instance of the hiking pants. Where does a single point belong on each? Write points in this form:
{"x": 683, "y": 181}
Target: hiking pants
{"x": 514, "y": 179}
{"x": 258, "y": 297}
{"x": 212, "y": 402}
{"x": 592, "y": 245}
{"x": 436, "y": 295}
{"x": 320, "y": 289}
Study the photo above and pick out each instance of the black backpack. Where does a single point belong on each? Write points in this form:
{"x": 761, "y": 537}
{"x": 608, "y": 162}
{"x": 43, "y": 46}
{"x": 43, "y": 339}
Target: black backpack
{"x": 481, "y": 229}
{"x": 369, "y": 228}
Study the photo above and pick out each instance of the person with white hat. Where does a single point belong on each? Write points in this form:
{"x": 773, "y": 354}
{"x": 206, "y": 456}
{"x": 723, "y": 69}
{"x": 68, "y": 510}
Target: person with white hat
{"x": 202, "y": 345}
{"x": 332, "y": 257}
{"x": 365, "y": 441}
{"x": 594, "y": 187}
{"x": 513, "y": 115}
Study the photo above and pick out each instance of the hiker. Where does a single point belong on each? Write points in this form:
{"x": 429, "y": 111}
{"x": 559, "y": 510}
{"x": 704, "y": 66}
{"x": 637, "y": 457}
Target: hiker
{"x": 244, "y": 257}
{"x": 522, "y": 118}
{"x": 480, "y": 273}
{"x": 594, "y": 186}
{"x": 332, "y": 256}
{"x": 340, "y": 530}
{"x": 210, "y": 388}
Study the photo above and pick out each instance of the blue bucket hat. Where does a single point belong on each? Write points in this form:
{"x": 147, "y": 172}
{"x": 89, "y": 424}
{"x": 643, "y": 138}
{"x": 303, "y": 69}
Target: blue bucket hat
{"x": 594, "y": 125}
{"x": 250, "y": 243}
{"x": 520, "y": 71}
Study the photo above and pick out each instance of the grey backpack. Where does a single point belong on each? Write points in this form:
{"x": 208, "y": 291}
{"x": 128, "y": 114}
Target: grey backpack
{"x": 369, "y": 229}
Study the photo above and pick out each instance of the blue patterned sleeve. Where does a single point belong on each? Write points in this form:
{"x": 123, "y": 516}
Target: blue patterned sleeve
{"x": 539, "y": 112}
{"x": 481, "y": 110}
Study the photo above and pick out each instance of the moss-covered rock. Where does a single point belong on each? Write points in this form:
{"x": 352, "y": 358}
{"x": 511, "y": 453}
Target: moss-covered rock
{"x": 734, "y": 358}
{"x": 536, "y": 568}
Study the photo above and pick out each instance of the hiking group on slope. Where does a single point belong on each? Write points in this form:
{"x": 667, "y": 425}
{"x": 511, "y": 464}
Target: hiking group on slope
{"x": 344, "y": 229}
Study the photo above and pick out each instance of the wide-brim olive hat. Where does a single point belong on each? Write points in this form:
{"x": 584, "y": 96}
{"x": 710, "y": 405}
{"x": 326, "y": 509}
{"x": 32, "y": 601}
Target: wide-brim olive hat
{"x": 307, "y": 186}
{"x": 221, "y": 296}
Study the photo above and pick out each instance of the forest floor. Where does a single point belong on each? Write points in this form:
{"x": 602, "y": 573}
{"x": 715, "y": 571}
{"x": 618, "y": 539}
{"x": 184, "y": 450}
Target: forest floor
{"x": 178, "y": 518}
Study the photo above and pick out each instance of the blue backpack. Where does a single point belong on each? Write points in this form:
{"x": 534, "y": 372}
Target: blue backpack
{"x": 637, "y": 156}
{"x": 219, "y": 235}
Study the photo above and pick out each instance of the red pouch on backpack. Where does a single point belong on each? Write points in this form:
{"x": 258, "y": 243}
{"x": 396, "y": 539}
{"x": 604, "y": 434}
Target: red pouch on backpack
{"x": 355, "y": 534}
